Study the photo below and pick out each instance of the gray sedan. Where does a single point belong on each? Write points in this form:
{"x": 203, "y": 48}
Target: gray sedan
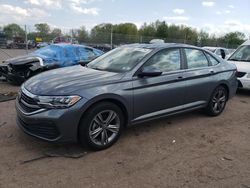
{"x": 126, "y": 86}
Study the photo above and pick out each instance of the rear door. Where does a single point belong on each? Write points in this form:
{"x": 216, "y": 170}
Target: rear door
{"x": 153, "y": 95}
{"x": 198, "y": 77}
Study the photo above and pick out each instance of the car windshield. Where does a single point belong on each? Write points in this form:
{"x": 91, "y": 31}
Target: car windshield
{"x": 241, "y": 54}
{"x": 49, "y": 51}
{"x": 119, "y": 60}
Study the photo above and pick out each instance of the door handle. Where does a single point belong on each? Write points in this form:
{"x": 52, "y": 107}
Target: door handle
{"x": 212, "y": 72}
{"x": 179, "y": 78}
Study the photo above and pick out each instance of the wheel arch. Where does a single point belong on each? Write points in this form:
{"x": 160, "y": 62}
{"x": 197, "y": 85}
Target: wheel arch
{"x": 226, "y": 86}
{"x": 112, "y": 98}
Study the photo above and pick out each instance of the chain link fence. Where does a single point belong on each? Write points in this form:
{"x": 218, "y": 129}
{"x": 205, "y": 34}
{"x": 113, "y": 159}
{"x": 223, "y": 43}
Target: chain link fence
{"x": 109, "y": 38}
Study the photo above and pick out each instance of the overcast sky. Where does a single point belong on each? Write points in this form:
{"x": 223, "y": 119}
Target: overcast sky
{"x": 213, "y": 16}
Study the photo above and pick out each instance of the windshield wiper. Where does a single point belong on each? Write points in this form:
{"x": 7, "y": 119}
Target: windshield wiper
{"x": 244, "y": 60}
{"x": 239, "y": 60}
{"x": 97, "y": 68}
{"x": 233, "y": 59}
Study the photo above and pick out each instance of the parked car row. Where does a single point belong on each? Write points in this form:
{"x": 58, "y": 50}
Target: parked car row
{"x": 92, "y": 103}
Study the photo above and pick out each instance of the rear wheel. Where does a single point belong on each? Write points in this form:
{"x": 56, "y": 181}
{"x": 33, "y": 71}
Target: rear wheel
{"x": 217, "y": 101}
{"x": 101, "y": 127}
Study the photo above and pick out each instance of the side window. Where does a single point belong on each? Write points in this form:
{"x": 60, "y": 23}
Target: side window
{"x": 196, "y": 58}
{"x": 165, "y": 61}
{"x": 212, "y": 59}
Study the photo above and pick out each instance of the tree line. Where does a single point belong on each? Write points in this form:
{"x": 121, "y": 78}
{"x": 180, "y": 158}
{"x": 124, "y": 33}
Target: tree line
{"x": 125, "y": 33}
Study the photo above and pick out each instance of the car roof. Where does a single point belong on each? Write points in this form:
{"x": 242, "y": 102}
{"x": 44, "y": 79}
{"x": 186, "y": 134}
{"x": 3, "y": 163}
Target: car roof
{"x": 213, "y": 48}
{"x": 67, "y": 45}
{"x": 246, "y": 42}
{"x": 210, "y": 47}
{"x": 159, "y": 45}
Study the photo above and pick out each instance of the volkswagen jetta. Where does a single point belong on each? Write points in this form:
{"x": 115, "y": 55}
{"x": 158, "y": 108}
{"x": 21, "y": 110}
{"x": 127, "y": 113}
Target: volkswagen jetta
{"x": 126, "y": 86}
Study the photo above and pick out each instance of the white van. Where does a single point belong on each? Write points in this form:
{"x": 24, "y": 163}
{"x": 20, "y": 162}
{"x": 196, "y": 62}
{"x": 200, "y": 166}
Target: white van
{"x": 241, "y": 58}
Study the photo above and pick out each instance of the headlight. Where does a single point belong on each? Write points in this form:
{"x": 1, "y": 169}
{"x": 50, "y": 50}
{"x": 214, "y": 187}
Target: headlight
{"x": 57, "y": 101}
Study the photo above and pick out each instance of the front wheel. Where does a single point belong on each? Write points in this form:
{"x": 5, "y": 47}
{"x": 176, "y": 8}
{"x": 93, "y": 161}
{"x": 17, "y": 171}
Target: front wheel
{"x": 217, "y": 101}
{"x": 101, "y": 126}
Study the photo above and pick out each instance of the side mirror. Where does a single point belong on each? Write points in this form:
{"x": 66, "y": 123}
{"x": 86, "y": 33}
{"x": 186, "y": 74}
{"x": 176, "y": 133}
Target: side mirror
{"x": 149, "y": 72}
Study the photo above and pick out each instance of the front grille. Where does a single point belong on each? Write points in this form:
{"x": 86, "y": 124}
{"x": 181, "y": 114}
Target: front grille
{"x": 28, "y": 104}
{"x": 241, "y": 74}
{"x": 28, "y": 99}
{"x": 43, "y": 130}
{"x": 26, "y": 108}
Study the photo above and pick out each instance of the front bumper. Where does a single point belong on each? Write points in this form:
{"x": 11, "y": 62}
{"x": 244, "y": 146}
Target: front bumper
{"x": 244, "y": 82}
{"x": 54, "y": 125}
{"x": 5, "y": 71}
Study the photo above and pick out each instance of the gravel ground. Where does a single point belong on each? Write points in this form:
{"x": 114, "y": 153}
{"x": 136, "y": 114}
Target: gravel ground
{"x": 5, "y": 87}
{"x": 10, "y": 53}
{"x": 188, "y": 150}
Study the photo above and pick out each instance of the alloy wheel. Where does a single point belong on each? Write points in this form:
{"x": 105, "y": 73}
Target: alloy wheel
{"x": 104, "y": 127}
{"x": 219, "y": 101}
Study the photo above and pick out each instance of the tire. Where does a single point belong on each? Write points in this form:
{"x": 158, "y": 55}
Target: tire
{"x": 217, "y": 102}
{"x": 95, "y": 121}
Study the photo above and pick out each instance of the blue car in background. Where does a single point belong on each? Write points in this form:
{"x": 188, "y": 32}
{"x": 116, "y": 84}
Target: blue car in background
{"x": 17, "y": 70}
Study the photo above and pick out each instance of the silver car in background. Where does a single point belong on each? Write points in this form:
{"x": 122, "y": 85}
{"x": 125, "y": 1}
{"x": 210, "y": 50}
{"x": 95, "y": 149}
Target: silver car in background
{"x": 219, "y": 51}
{"x": 126, "y": 86}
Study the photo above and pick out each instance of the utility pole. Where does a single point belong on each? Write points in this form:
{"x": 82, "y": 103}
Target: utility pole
{"x": 26, "y": 39}
{"x": 111, "y": 37}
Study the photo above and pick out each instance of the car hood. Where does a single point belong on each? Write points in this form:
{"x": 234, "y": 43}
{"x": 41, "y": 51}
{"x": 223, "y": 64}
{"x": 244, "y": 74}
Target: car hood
{"x": 20, "y": 60}
{"x": 65, "y": 81}
{"x": 242, "y": 66}
{"x": 31, "y": 57}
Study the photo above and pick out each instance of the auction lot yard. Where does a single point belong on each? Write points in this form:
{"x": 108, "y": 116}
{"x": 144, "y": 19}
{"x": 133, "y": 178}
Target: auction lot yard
{"x": 188, "y": 150}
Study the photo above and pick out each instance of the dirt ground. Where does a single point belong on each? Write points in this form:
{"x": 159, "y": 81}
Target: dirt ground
{"x": 188, "y": 150}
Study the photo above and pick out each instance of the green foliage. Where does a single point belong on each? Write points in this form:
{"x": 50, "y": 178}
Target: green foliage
{"x": 56, "y": 32}
{"x": 81, "y": 35}
{"x": 148, "y": 30}
{"x": 13, "y": 30}
{"x": 125, "y": 28}
{"x": 234, "y": 38}
{"x": 101, "y": 33}
{"x": 128, "y": 33}
{"x": 43, "y": 29}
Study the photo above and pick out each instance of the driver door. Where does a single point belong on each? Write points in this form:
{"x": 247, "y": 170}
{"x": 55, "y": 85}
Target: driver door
{"x": 162, "y": 94}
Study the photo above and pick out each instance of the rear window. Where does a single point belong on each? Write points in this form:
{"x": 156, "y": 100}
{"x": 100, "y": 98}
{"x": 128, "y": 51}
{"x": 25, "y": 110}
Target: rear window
{"x": 212, "y": 59}
{"x": 196, "y": 58}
